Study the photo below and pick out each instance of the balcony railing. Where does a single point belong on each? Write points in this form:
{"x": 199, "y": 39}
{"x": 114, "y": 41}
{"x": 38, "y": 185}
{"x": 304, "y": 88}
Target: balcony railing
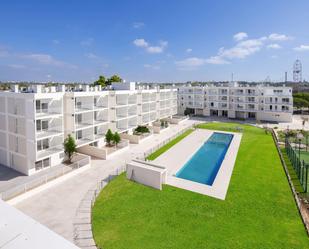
{"x": 48, "y": 111}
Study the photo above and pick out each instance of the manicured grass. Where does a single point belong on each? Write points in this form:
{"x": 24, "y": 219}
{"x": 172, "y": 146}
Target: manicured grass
{"x": 164, "y": 148}
{"x": 259, "y": 211}
{"x": 304, "y": 155}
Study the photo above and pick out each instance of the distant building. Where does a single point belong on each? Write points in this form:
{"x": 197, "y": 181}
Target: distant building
{"x": 263, "y": 103}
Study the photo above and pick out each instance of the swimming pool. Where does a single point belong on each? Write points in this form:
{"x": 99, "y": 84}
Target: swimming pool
{"x": 206, "y": 162}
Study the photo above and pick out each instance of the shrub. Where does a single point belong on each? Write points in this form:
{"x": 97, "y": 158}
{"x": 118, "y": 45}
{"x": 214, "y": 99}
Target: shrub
{"x": 69, "y": 147}
{"x": 141, "y": 129}
{"x": 109, "y": 137}
{"x": 116, "y": 138}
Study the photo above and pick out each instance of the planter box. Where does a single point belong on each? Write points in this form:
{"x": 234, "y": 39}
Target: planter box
{"x": 134, "y": 139}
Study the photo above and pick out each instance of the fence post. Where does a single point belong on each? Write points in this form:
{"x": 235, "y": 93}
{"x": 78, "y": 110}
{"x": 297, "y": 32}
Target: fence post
{"x": 306, "y": 179}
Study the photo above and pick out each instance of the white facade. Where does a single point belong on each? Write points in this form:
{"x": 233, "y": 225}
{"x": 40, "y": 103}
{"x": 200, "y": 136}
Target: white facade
{"x": 34, "y": 124}
{"x": 263, "y": 103}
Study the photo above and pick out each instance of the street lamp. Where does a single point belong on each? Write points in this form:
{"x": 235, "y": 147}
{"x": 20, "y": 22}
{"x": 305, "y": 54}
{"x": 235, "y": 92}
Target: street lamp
{"x": 299, "y": 137}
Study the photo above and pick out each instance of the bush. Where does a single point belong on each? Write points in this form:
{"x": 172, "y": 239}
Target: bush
{"x": 69, "y": 147}
{"x": 141, "y": 129}
{"x": 109, "y": 137}
{"x": 116, "y": 138}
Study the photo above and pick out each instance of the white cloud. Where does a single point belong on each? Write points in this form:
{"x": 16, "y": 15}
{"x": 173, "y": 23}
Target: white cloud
{"x": 17, "y": 66}
{"x": 217, "y": 60}
{"x": 91, "y": 56}
{"x": 87, "y": 42}
{"x": 240, "y": 36}
{"x": 140, "y": 43}
{"x": 154, "y": 67}
{"x": 189, "y": 50}
{"x": 190, "y": 63}
{"x": 244, "y": 48}
{"x": 46, "y": 59}
{"x": 302, "y": 48}
{"x": 241, "y": 50}
{"x": 138, "y": 25}
{"x": 274, "y": 46}
{"x": 150, "y": 49}
{"x": 279, "y": 37}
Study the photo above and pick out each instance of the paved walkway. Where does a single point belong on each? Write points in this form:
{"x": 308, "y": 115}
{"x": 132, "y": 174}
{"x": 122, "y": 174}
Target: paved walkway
{"x": 56, "y": 206}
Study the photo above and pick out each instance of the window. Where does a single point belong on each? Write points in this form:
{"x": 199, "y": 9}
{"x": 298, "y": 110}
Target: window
{"x": 42, "y": 164}
{"x": 270, "y": 107}
{"x": 42, "y": 144}
{"x": 38, "y": 105}
{"x": 41, "y": 125}
{"x": 79, "y": 134}
{"x": 78, "y": 118}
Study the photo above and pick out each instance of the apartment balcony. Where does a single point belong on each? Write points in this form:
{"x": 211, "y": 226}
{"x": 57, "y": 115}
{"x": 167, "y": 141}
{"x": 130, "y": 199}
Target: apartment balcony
{"x": 50, "y": 131}
{"x": 101, "y": 116}
{"x": 153, "y": 97}
{"x": 83, "y": 107}
{"x": 132, "y": 111}
{"x": 153, "y": 116}
{"x": 240, "y": 107}
{"x": 122, "y": 125}
{"x": 122, "y": 99}
{"x": 84, "y": 136}
{"x": 100, "y": 102}
{"x": 49, "y": 151}
{"x": 42, "y": 112}
{"x": 145, "y": 108}
{"x": 132, "y": 100}
{"x": 49, "y": 146}
{"x": 100, "y": 131}
{"x": 199, "y": 104}
{"x": 145, "y": 97}
{"x": 132, "y": 123}
{"x": 83, "y": 120}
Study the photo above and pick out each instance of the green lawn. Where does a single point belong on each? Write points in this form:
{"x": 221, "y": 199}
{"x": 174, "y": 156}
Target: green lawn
{"x": 259, "y": 211}
{"x": 164, "y": 148}
{"x": 304, "y": 155}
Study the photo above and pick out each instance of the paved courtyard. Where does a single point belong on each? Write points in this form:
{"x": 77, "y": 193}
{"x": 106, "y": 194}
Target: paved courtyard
{"x": 56, "y": 206}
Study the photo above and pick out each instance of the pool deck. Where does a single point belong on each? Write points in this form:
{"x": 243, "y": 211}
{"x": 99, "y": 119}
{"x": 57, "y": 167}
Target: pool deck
{"x": 178, "y": 155}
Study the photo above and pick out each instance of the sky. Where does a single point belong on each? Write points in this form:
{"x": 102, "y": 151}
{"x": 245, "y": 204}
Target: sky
{"x": 152, "y": 41}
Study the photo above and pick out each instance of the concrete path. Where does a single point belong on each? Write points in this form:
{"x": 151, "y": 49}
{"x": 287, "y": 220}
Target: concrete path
{"x": 56, "y": 206}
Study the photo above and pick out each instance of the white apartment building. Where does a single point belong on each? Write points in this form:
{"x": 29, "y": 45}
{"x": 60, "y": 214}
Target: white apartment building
{"x": 35, "y": 122}
{"x": 263, "y": 103}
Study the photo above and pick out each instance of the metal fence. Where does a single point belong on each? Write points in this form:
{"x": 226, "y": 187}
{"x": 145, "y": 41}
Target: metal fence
{"x": 101, "y": 184}
{"x": 300, "y": 166}
{"x": 27, "y": 186}
{"x": 166, "y": 141}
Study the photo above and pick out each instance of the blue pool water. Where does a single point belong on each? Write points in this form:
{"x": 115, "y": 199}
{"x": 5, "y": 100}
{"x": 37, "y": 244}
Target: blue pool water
{"x": 205, "y": 163}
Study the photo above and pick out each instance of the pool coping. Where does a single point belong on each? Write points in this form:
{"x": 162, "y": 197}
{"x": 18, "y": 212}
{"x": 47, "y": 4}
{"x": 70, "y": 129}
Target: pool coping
{"x": 183, "y": 153}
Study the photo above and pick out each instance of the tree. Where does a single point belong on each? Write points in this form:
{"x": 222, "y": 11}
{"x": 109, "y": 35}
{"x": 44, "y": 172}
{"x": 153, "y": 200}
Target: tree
{"x": 69, "y": 147}
{"x": 300, "y": 103}
{"x": 116, "y": 138}
{"x": 100, "y": 82}
{"x": 114, "y": 78}
{"x": 109, "y": 136}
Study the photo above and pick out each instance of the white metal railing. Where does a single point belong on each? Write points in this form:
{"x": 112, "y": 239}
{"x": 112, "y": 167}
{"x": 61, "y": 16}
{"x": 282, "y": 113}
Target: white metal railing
{"x": 164, "y": 142}
{"x": 23, "y": 188}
